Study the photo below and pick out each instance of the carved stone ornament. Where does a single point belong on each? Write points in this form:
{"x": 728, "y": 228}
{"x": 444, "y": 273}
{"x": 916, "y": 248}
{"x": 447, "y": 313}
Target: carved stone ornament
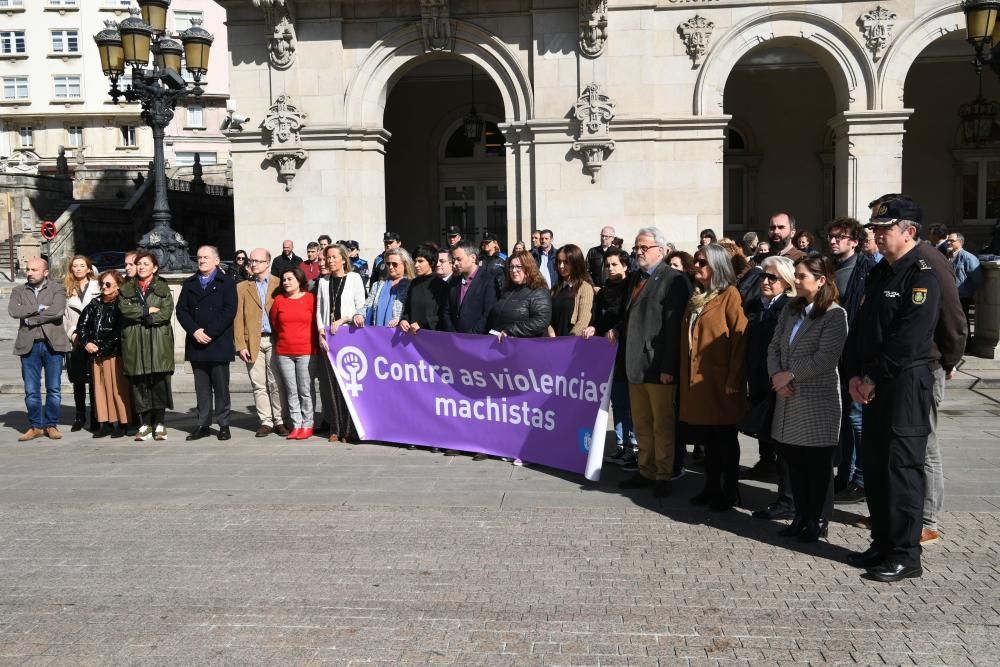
{"x": 282, "y": 125}
{"x": 696, "y": 33}
{"x": 594, "y": 110}
{"x": 21, "y": 161}
{"x": 280, "y": 24}
{"x": 877, "y": 27}
{"x": 436, "y": 26}
{"x": 593, "y": 27}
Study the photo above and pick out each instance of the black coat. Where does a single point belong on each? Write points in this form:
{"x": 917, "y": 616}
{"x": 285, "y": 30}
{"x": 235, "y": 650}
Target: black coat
{"x": 609, "y": 306}
{"x": 522, "y": 312}
{"x": 101, "y": 324}
{"x": 282, "y": 264}
{"x": 595, "y": 265}
{"x": 426, "y": 302}
{"x": 760, "y": 331}
{"x": 851, "y": 299}
{"x": 212, "y": 309}
{"x": 749, "y": 286}
{"x": 553, "y": 274}
{"x": 469, "y": 316}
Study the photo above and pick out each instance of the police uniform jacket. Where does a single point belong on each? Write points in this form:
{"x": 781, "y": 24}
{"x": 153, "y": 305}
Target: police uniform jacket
{"x": 811, "y": 418}
{"x": 892, "y": 344}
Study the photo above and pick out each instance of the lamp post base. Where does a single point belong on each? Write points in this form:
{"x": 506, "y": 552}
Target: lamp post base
{"x": 169, "y": 248}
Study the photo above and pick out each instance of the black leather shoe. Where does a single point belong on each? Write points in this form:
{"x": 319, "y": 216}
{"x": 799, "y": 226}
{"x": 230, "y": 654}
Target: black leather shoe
{"x": 77, "y": 426}
{"x": 797, "y": 525}
{"x": 814, "y": 530}
{"x": 662, "y": 488}
{"x": 199, "y": 434}
{"x": 774, "y": 513}
{"x": 724, "y": 502}
{"x": 102, "y": 432}
{"x": 635, "y": 482}
{"x": 868, "y": 558}
{"x": 889, "y": 572}
{"x": 224, "y": 433}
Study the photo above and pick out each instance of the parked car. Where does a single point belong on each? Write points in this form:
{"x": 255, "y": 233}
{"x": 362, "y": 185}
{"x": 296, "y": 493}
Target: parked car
{"x": 106, "y": 260}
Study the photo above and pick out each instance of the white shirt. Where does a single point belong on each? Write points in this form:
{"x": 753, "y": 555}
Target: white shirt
{"x": 798, "y": 322}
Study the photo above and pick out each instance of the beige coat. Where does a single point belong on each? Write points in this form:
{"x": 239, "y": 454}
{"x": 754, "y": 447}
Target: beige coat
{"x": 249, "y": 314}
{"x": 582, "y": 309}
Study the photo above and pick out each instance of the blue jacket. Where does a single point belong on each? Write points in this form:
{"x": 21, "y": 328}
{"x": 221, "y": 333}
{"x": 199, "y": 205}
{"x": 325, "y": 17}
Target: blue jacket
{"x": 537, "y": 254}
{"x": 968, "y": 275}
{"x": 212, "y": 309}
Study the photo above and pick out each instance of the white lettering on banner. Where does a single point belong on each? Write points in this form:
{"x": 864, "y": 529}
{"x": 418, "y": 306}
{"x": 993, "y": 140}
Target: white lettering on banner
{"x": 492, "y": 410}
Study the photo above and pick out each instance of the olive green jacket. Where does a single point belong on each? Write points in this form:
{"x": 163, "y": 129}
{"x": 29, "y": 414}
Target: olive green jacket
{"x": 147, "y": 339}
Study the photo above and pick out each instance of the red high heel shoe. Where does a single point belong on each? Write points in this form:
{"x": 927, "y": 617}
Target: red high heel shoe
{"x": 295, "y": 434}
{"x": 305, "y": 433}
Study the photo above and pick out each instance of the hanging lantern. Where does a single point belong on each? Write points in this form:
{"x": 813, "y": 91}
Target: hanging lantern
{"x": 978, "y": 118}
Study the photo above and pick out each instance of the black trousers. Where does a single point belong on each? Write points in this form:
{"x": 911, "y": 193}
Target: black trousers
{"x": 810, "y": 472}
{"x": 211, "y": 378}
{"x": 785, "y": 498}
{"x": 722, "y": 457}
{"x": 894, "y": 430}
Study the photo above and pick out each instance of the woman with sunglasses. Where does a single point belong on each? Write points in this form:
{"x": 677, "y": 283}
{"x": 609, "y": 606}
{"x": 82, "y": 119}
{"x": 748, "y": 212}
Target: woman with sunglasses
{"x": 81, "y": 288}
{"x": 387, "y": 298}
{"x": 802, "y": 362}
{"x": 777, "y": 287}
{"x": 99, "y": 335}
{"x": 713, "y": 364}
{"x": 241, "y": 266}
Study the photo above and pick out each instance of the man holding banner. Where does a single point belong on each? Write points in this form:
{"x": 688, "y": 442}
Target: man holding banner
{"x": 650, "y": 332}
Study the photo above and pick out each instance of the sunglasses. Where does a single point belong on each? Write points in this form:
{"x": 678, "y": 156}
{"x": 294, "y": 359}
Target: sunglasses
{"x": 109, "y": 284}
{"x": 393, "y": 264}
{"x": 770, "y": 278}
{"x": 701, "y": 262}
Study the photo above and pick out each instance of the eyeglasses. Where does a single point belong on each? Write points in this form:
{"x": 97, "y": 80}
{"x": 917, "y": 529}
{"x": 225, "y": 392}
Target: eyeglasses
{"x": 701, "y": 261}
{"x": 393, "y": 264}
{"x": 952, "y": 240}
{"x": 837, "y": 237}
{"x": 607, "y": 236}
{"x": 643, "y": 248}
{"x": 257, "y": 261}
{"x": 241, "y": 259}
{"x": 109, "y": 284}
{"x": 515, "y": 267}
{"x": 770, "y": 278}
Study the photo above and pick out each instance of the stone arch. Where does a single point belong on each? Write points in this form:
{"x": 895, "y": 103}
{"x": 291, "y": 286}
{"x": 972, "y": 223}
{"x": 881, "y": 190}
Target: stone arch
{"x": 903, "y": 50}
{"x": 832, "y": 45}
{"x": 390, "y": 57}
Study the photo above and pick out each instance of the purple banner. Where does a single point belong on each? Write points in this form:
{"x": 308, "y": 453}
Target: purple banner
{"x": 535, "y": 399}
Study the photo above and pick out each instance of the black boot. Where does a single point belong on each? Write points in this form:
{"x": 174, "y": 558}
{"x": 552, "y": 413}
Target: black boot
{"x": 118, "y": 430}
{"x": 102, "y": 431}
{"x": 813, "y": 530}
{"x": 797, "y": 525}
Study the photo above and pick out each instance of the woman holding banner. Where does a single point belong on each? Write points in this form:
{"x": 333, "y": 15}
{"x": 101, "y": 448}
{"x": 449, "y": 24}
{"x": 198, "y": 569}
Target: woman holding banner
{"x": 339, "y": 294}
{"x": 712, "y": 384}
{"x": 573, "y": 293}
{"x": 524, "y": 309}
{"x": 387, "y": 298}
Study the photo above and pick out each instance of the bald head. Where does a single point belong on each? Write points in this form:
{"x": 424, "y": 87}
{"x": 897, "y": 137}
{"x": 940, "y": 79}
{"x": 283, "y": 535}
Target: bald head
{"x": 260, "y": 263}
{"x": 36, "y": 270}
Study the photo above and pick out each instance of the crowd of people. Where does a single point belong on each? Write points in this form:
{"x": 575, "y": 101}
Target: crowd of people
{"x": 832, "y": 351}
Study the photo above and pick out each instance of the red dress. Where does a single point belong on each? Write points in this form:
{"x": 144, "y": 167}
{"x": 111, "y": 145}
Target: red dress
{"x": 292, "y": 323}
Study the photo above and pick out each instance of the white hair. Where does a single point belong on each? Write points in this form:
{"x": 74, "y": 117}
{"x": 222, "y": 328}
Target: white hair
{"x": 784, "y": 267}
{"x": 658, "y": 238}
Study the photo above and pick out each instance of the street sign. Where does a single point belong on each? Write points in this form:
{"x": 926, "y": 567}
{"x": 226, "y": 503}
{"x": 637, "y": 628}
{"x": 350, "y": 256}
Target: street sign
{"x": 48, "y": 230}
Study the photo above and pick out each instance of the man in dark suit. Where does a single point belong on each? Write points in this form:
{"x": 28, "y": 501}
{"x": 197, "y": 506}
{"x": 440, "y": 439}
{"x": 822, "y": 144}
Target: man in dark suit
{"x": 650, "y": 333}
{"x": 206, "y": 309}
{"x": 473, "y": 292}
{"x": 545, "y": 257}
{"x": 286, "y": 260}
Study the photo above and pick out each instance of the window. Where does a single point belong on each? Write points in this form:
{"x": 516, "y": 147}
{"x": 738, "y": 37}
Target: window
{"x": 62, "y": 3}
{"x": 15, "y": 87}
{"x": 65, "y": 41}
{"x": 737, "y": 192}
{"x": 116, "y": 4}
{"x": 980, "y": 189}
{"x": 195, "y": 117}
{"x": 12, "y": 42}
{"x": 182, "y": 20}
{"x": 27, "y": 136}
{"x": 128, "y": 136}
{"x": 67, "y": 87}
{"x": 75, "y": 134}
{"x": 186, "y": 158}
{"x": 8, "y": 4}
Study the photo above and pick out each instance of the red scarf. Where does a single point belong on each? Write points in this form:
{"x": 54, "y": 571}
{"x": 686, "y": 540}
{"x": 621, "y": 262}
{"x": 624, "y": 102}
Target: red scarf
{"x": 144, "y": 285}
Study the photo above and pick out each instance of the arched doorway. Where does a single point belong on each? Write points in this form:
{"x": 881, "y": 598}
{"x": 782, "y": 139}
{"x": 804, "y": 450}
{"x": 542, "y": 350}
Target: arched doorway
{"x": 954, "y": 176}
{"x": 777, "y": 153}
{"x": 435, "y": 175}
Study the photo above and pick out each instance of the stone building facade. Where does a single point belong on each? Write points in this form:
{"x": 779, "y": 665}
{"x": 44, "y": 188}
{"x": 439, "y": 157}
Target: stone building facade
{"x": 684, "y": 114}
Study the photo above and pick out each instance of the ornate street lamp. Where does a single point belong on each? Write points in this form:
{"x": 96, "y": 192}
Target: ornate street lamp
{"x": 981, "y": 27}
{"x": 473, "y": 123}
{"x": 158, "y": 86}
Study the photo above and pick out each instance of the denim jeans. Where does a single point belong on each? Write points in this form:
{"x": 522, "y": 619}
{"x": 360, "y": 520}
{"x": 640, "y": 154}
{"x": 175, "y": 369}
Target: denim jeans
{"x": 295, "y": 375}
{"x": 42, "y": 357}
{"x": 933, "y": 467}
{"x": 622, "y": 411}
{"x": 850, "y": 468}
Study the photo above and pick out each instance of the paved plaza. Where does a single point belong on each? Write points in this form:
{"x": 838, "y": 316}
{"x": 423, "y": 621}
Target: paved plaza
{"x": 263, "y": 551}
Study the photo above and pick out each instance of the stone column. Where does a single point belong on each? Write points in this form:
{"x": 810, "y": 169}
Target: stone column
{"x": 520, "y": 182}
{"x": 986, "y": 343}
{"x": 869, "y": 158}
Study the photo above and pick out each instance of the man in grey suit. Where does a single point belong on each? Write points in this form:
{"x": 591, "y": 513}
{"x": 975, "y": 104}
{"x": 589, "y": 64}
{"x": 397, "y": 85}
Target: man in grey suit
{"x": 650, "y": 333}
{"x": 41, "y": 341}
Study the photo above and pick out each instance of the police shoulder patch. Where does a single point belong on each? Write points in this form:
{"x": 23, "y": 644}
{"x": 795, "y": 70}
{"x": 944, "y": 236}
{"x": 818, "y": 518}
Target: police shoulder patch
{"x": 919, "y": 295}
{"x": 924, "y": 266}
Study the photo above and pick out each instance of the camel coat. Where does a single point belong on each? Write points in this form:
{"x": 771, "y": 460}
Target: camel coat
{"x": 249, "y": 314}
{"x": 713, "y": 357}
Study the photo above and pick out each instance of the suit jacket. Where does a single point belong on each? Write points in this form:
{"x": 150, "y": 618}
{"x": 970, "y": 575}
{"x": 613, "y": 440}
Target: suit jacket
{"x": 250, "y": 314}
{"x": 212, "y": 309}
{"x": 553, "y": 274}
{"x": 470, "y": 316}
{"x": 651, "y": 328}
{"x": 46, "y": 325}
{"x": 812, "y": 417}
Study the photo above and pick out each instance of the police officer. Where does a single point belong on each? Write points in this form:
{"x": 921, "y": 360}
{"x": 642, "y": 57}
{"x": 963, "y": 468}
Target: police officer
{"x": 390, "y": 240}
{"x": 890, "y": 355}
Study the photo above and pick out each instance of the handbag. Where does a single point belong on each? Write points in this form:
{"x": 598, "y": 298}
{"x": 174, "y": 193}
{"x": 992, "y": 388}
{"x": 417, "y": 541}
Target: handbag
{"x": 756, "y": 421}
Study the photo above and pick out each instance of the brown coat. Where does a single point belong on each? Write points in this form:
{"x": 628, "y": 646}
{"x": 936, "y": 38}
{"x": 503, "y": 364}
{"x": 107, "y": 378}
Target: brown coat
{"x": 246, "y": 327}
{"x": 713, "y": 358}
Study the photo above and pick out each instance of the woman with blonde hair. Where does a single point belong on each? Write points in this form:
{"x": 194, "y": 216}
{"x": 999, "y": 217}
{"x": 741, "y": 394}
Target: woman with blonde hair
{"x": 99, "y": 334}
{"x": 387, "y": 298}
{"x": 81, "y": 288}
